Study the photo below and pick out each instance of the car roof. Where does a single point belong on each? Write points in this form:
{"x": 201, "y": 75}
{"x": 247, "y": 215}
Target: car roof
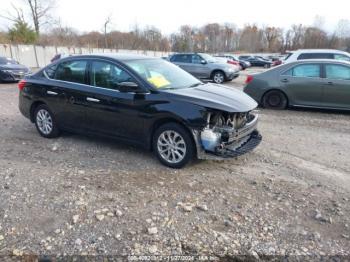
{"x": 117, "y": 56}
{"x": 308, "y": 61}
{"x": 318, "y": 51}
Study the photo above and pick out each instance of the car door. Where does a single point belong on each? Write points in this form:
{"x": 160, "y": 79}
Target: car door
{"x": 199, "y": 67}
{"x": 337, "y": 86}
{"x": 303, "y": 84}
{"x": 109, "y": 109}
{"x": 65, "y": 93}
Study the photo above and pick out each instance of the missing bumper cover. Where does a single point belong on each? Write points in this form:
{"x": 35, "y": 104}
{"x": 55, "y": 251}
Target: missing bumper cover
{"x": 220, "y": 143}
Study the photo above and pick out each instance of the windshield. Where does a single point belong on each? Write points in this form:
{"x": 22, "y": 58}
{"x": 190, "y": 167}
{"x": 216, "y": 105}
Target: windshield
{"x": 7, "y": 61}
{"x": 162, "y": 74}
{"x": 288, "y": 55}
{"x": 208, "y": 58}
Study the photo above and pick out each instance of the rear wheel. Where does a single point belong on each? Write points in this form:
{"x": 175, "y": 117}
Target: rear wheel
{"x": 218, "y": 77}
{"x": 275, "y": 100}
{"x": 45, "y": 122}
{"x": 173, "y": 145}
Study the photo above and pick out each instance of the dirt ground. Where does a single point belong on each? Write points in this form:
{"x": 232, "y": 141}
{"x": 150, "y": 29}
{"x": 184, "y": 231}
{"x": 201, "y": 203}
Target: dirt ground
{"x": 79, "y": 195}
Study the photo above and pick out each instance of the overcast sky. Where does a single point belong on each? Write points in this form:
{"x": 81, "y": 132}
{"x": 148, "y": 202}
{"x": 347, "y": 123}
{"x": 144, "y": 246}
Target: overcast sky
{"x": 168, "y": 15}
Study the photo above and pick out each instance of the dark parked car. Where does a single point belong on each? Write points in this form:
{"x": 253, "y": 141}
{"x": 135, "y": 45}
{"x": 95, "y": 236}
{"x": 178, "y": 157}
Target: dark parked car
{"x": 256, "y": 61}
{"x": 305, "y": 83}
{"x": 147, "y": 101}
{"x": 11, "y": 70}
{"x": 204, "y": 66}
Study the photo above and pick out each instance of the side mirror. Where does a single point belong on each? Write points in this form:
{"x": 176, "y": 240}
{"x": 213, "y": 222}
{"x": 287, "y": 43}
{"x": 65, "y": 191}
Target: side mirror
{"x": 128, "y": 87}
{"x": 203, "y": 62}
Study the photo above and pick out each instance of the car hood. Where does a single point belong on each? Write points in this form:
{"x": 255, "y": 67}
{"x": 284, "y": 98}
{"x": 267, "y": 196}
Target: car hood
{"x": 215, "y": 96}
{"x": 13, "y": 67}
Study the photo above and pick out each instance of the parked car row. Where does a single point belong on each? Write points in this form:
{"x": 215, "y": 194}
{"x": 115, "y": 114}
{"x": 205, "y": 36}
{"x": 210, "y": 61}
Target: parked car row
{"x": 243, "y": 63}
{"x": 163, "y": 106}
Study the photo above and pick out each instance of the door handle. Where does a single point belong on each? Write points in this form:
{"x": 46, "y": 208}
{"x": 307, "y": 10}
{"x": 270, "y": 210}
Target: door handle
{"x": 285, "y": 80}
{"x": 329, "y": 83}
{"x": 52, "y": 93}
{"x": 92, "y": 99}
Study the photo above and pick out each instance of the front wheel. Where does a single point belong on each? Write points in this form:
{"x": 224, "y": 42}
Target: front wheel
{"x": 173, "y": 145}
{"x": 218, "y": 77}
{"x": 275, "y": 100}
{"x": 45, "y": 122}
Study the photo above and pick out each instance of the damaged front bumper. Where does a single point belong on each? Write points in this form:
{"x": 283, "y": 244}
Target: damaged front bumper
{"x": 241, "y": 141}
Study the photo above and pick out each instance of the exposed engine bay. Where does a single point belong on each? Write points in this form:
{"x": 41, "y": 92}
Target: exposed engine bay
{"x": 226, "y": 134}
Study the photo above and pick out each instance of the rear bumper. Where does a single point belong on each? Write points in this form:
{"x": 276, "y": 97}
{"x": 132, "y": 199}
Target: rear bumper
{"x": 232, "y": 76}
{"x": 24, "y": 105}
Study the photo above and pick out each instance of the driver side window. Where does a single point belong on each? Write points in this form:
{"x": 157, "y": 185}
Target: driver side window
{"x": 196, "y": 59}
{"x": 107, "y": 75}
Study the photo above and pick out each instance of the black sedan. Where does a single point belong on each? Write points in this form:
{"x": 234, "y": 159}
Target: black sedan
{"x": 257, "y": 61}
{"x": 11, "y": 70}
{"x": 147, "y": 101}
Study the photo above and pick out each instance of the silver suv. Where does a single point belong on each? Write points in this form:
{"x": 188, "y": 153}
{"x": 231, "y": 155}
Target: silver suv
{"x": 205, "y": 67}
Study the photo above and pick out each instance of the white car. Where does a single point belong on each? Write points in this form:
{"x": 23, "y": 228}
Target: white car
{"x": 302, "y": 54}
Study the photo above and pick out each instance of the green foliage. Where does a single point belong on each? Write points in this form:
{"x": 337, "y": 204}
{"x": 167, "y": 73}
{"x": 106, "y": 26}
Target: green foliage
{"x": 22, "y": 33}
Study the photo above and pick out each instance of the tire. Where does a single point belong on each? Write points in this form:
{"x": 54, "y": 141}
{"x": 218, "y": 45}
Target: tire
{"x": 45, "y": 122}
{"x": 165, "y": 152}
{"x": 267, "y": 66}
{"x": 218, "y": 77}
{"x": 275, "y": 100}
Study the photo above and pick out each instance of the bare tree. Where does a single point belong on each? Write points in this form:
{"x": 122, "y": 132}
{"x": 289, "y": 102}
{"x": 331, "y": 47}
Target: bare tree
{"x": 17, "y": 17}
{"x": 40, "y": 12}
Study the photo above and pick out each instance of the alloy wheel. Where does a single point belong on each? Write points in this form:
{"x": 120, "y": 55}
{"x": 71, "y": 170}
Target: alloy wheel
{"x": 44, "y": 121}
{"x": 219, "y": 78}
{"x": 171, "y": 146}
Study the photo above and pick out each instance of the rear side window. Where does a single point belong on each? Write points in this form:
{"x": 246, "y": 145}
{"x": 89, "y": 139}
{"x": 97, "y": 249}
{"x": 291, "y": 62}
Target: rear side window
{"x": 72, "y": 71}
{"x": 304, "y": 71}
{"x": 50, "y": 71}
{"x": 182, "y": 58}
{"x": 315, "y": 56}
{"x": 338, "y": 72}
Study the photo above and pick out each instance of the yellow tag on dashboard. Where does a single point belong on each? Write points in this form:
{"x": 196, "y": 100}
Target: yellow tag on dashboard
{"x": 158, "y": 81}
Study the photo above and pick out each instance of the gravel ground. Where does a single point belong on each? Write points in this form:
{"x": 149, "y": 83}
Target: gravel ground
{"x": 79, "y": 195}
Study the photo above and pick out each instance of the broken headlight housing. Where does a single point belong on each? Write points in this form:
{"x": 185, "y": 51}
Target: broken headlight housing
{"x": 226, "y": 129}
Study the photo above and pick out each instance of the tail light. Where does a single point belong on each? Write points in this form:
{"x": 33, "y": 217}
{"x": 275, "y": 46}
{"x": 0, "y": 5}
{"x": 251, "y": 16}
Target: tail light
{"x": 249, "y": 79}
{"x": 232, "y": 62}
{"x": 21, "y": 84}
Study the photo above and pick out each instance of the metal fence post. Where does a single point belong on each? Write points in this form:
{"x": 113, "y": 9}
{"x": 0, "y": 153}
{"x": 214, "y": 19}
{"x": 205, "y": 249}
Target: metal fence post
{"x": 36, "y": 56}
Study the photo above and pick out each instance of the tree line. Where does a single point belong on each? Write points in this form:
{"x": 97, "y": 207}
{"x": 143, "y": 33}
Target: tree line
{"x": 212, "y": 37}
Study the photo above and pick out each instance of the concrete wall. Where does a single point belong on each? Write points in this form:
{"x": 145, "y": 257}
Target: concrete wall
{"x": 39, "y": 56}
